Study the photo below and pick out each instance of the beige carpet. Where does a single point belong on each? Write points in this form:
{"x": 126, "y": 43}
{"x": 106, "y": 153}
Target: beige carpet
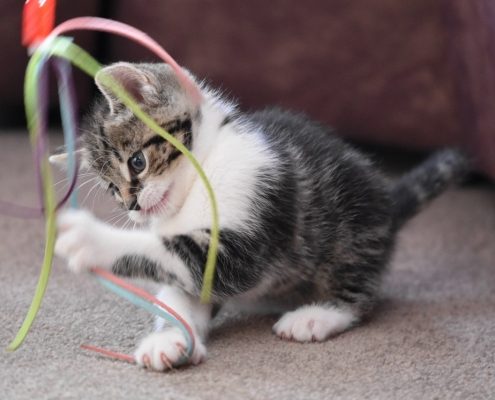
{"x": 432, "y": 337}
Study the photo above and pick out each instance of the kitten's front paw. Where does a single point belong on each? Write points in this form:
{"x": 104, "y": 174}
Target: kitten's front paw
{"x": 80, "y": 240}
{"x": 161, "y": 351}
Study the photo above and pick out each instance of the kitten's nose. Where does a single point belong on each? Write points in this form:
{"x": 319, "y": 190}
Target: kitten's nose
{"x": 134, "y": 206}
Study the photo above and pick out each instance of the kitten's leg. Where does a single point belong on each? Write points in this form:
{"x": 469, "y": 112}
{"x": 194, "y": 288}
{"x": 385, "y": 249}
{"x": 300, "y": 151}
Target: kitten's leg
{"x": 314, "y": 322}
{"x": 179, "y": 259}
{"x": 163, "y": 348}
{"x": 86, "y": 242}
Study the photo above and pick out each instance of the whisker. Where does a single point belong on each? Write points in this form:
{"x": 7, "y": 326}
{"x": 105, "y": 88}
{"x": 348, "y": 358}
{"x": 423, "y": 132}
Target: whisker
{"x": 80, "y": 186}
{"x": 97, "y": 184}
{"x": 114, "y": 217}
{"x": 126, "y": 223}
{"x": 120, "y": 219}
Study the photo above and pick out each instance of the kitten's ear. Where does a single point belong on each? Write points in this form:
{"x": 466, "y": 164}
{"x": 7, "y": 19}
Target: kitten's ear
{"x": 137, "y": 83}
{"x": 61, "y": 160}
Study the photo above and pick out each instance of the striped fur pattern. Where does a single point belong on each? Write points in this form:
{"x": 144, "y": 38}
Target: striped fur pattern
{"x": 307, "y": 222}
{"x": 418, "y": 187}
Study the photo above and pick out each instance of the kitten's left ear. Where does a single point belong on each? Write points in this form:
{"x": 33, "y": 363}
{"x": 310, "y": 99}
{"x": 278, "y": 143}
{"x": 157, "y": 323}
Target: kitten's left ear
{"x": 61, "y": 160}
{"x": 135, "y": 81}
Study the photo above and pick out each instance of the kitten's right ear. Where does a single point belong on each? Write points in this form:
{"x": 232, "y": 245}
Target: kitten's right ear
{"x": 135, "y": 81}
{"x": 61, "y": 160}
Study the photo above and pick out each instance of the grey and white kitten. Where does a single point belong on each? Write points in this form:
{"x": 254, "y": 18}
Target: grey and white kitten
{"x": 307, "y": 222}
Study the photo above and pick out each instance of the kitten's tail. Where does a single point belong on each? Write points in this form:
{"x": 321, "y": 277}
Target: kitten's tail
{"x": 426, "y": 181}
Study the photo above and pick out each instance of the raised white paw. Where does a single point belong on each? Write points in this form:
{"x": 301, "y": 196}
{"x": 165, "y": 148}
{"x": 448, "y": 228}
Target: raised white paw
{"x": 313, "y": 323}
{"x": 161, "y": 351}
{"x": 82, "y": 240}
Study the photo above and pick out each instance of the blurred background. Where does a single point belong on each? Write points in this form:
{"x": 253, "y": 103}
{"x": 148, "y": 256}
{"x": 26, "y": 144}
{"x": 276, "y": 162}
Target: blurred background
{"x": 413, "y": 75}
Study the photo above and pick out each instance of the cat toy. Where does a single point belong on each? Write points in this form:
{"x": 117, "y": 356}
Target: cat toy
{"x": 48, "y": 46}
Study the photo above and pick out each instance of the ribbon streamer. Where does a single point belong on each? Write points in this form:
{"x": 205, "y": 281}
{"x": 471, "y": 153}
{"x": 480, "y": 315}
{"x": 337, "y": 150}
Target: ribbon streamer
{"x": 67, "y": 97}
{"x": 36, "y": 124}
{"x": 35, "y": 95}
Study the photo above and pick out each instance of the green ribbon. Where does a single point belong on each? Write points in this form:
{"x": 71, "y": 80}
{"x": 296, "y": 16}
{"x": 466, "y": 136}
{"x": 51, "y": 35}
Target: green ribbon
{"x": 64, "y": 48}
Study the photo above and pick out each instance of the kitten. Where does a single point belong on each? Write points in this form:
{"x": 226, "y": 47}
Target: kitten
{"x": 307, "y": 222}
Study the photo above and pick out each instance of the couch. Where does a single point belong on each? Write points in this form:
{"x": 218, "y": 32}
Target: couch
{"x": 417, "y": 75}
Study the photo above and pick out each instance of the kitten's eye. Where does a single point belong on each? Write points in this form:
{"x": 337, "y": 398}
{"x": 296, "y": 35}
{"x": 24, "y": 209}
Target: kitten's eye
{"x": 137, "y": 163}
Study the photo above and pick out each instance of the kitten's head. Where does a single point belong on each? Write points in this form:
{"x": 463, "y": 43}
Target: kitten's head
{"x": 138, "y": 166}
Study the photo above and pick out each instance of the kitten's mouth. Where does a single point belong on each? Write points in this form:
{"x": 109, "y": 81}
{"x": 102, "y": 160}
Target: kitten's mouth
{"x": 158, "y": 207}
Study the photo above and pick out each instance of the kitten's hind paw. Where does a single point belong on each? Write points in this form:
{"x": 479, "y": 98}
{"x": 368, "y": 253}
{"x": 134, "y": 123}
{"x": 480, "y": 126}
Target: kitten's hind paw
{"x": 162, "y": 351}
{"x": 313, "y": 323}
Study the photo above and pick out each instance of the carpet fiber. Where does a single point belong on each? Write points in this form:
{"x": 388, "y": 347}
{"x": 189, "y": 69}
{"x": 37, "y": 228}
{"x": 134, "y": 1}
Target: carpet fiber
{"x": 432, "y": 336}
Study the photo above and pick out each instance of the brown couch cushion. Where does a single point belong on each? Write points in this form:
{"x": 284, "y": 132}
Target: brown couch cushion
{"x": 415, "y": 74}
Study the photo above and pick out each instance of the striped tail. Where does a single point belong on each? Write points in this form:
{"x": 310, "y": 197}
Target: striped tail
{"x": 417, "y": 187}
